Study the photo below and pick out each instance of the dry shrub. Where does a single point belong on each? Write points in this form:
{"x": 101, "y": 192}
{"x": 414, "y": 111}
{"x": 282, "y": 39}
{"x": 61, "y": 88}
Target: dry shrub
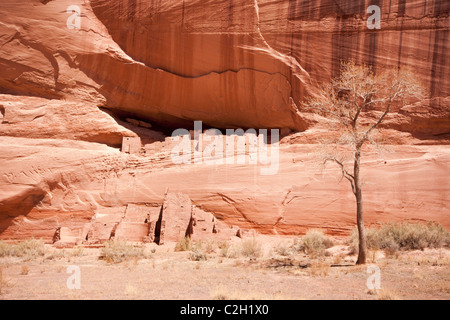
{"x": 56, "y": 254}
{"x": 223, "y": 246}
{"x": 200, "y": 250}
{"x": 27, "y": 249}
{"x": 198, "y": 255}
{"x": 403, "y": 236}
{"x": 4, "y": 249}
{"x": 320, "y": 269}
{"x": 283, "y": 249}
{"x": 118, "y": 251}
{"x": 77, "y": 252}
{"x": 24, "y": 270}
{"x": 371, "y": 256}
{"x": 387, "y": 295}
{"x": 439, "y": 261}
{"x": 391, "y": 251}
{"x": 223, "y": 293}
{"x": 251, "y": 248}
{"x": 337, "y": 260}
{"x": 210, "y": 246}
{"x": 220, "y": 293}
{"x": 4, "y": 283}
{"x": 183, "y": 245}
{"x": 314, "y": 243}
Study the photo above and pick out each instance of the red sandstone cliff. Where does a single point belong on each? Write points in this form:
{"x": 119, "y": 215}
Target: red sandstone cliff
{"x": 239, "y": 63}
{"x": 233, "y": 63}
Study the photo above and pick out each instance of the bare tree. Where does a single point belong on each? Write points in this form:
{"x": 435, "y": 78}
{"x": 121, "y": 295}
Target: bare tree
{"x": 358, "y": 101}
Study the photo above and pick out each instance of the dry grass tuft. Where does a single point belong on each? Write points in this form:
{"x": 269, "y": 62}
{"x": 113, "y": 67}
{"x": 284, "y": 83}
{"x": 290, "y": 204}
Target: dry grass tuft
{"x": 284, "y": 249}
{"x": 387, "y": 295}
{"x": 251, "y": 248}
{"x": 319, "y": 269}
{"x": 197, "y": 254}
{"x": 207, "y": 246}
{"x": 184, "y": 244}
{"x": 28, "y": 249}
{"x": 24, "y": 270}
{"x": 77, "y": 252}
{"x": 4, "y": 283}
{"x": 403, "y": 236}
{"x": 199, "y": 249}
{"x": 119, "y": 251}
{"x": 314, "y": 243}
{"x": 223, "y": 293}
{"x": 56, "y": 254}
{"x": 224, "y": 248}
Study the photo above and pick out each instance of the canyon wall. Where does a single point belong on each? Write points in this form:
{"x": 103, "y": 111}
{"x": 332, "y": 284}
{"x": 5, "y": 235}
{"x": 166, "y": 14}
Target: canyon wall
{"x": 65, "y": 93}
{"x": 240, "y": 63}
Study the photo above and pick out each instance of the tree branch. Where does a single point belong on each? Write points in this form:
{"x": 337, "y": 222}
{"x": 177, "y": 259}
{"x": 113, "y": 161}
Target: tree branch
{"x": 345, "y": 173}
{"x": 380, "y": 120}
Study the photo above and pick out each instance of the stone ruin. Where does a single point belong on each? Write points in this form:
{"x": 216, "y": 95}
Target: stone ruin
{"x": 131, "y": 145}
{"x": 175, "y": 219}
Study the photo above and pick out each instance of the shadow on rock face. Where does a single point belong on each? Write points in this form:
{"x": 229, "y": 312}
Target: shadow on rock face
{"x": 19, "y": 205}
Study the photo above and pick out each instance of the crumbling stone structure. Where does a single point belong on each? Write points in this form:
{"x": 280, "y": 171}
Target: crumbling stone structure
{"x": 131, "y": 145}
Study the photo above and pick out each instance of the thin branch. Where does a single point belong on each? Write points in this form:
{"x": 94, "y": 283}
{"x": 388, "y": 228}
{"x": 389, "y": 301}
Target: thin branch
{"x": 380, "y": 120}
{"x": 345, "y": 173}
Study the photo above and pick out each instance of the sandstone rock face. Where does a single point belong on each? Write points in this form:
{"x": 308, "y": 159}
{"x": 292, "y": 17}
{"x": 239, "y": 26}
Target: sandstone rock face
{"x": 38, "y": 118}
{"x": 231, "y": 64}
{"x": 245, "y": 63}
{"x": 175, "y": 219}
{"x": 206, "y": 226}
{"x": 47, "y": 185}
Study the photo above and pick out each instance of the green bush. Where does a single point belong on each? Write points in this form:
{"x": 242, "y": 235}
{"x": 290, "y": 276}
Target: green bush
{"x": 404, "y": 236}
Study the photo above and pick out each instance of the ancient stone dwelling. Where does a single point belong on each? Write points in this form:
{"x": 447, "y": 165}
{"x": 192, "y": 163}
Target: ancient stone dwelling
{"x": 131, "y": 145}
{"x": 175, "y": 219}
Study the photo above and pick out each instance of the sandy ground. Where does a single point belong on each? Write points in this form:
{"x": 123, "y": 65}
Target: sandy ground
{"x": 165, "y": 274}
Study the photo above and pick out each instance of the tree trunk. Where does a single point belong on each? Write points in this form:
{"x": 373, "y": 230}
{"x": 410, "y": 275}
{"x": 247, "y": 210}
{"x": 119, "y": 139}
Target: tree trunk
{"x": 362, "y": 252}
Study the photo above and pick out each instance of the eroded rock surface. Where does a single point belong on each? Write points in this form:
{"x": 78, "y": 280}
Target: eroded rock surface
{"x": 245, "y": 63}
{"x": 231, "y": 64}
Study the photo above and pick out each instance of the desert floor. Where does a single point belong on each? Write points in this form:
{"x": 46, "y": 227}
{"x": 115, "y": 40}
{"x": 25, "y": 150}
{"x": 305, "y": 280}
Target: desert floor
{"x": 274, "y": 274}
